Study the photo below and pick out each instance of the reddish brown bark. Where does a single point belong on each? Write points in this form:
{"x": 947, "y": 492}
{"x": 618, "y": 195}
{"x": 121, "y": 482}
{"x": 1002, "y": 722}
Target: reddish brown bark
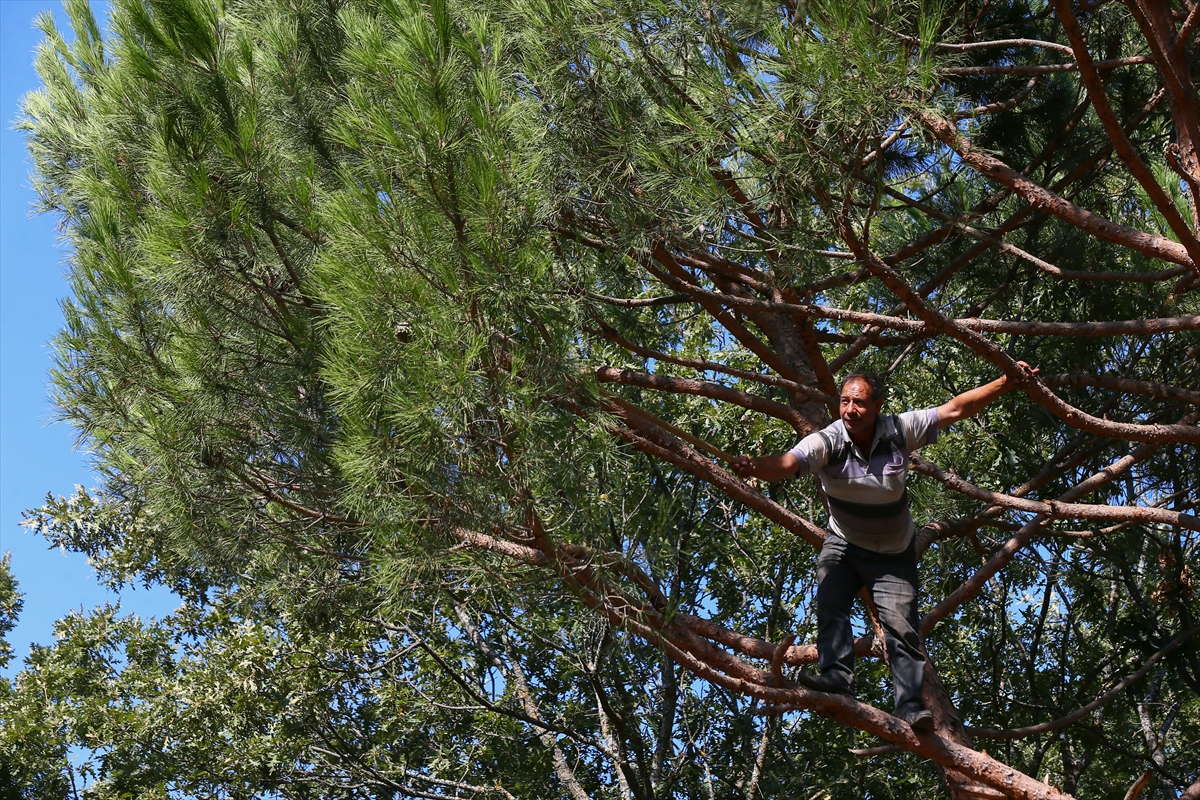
{"x": 1139, "y": 785}
{"x": 1044, "y": 199}
{"x": 646, "y": 437}
{"x": 1125, "y": 385}
{"x": 712, "y": 366}
{"x": 1116, "y": 134}
{"x": 1055, "y": 509}
{"x": 1140, "y": 327}
{"x": 714, "y": 391}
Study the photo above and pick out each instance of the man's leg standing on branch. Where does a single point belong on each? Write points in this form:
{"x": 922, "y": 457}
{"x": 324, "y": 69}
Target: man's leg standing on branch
{"x": 894, "y": 586}
{"x": 838, "y": 581}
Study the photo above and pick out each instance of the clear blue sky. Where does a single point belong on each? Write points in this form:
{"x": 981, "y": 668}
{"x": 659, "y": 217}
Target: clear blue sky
{"x": 36, "y": 457}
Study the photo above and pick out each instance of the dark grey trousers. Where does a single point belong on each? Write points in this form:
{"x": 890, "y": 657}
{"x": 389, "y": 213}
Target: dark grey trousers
{"x": 842, "y": 570}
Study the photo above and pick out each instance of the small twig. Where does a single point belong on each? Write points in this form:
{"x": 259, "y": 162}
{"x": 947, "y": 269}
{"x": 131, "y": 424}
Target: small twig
{"x": 777, "y": 659}
{"x": 1037, "y": 69}
{"x": 639, "y": 302}
{"x": 882, "y": 750}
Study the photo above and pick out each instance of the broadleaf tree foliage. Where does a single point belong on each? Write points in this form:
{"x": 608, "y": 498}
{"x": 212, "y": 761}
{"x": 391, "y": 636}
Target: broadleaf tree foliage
{"x": 410, "y": 340}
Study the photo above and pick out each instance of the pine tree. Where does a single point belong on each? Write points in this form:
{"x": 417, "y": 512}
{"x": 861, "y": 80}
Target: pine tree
{"x": 423, "y": 331}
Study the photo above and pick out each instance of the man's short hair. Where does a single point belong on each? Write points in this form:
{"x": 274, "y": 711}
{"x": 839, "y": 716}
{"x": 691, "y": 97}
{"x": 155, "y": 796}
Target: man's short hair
{"x": 873, "y": 381}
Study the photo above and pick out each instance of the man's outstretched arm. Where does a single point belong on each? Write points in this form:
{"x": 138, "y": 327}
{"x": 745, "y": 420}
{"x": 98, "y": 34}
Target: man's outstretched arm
{"x": 769, "y": 468}
{"x": 971, "y": 402}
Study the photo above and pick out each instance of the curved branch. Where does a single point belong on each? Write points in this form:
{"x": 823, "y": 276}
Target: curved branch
{"x": 753, "y": 647}
{"x": 1041, "y": 69}
{"x": 713, "y": 391}
{"x": 1170, "y": 55}
{"x": 1129, "y": 386}
{"x": 891, "y": 139}
{"x": 620, "y": 563}
{"x": 712, "y": 366}
{"x": 1000, "y": 105}
{"x": 1135, "y": 791}
{"x": 677, "y": 278}
{"x": 276, "y": 497}
{"x": 1054, "y": 509}
{"x": 517, "y": 552}
{"x": 1009, "y": 549}
{"x": 710, "y": 263}
{"x": 651, "y": 440}
{"x": 1185, "y": 32}
{"x": 1045, "y": 266}
{"x": 1037, "y": 195}
{"x": 1133, "y": 327}
{"x": 680, "y": 433}
{"x": 1116, "y": 134}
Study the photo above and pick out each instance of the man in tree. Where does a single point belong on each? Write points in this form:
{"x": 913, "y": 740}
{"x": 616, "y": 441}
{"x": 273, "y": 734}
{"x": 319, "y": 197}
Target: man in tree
{"x": 861, "y": 462}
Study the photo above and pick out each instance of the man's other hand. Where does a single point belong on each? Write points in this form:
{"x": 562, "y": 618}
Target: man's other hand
{"x": 743, "y": 466}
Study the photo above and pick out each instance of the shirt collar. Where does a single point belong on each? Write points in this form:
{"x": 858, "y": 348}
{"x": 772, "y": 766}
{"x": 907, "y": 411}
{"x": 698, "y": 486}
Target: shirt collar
{"x": 883, "y": 424}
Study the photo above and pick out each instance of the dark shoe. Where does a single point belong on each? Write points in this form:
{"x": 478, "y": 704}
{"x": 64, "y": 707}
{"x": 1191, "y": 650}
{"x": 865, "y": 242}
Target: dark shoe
{"x": 823, "y": 683}
{"x": 919, "y": 720}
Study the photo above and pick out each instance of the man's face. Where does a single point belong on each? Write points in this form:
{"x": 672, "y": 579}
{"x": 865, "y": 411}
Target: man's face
{"x": 858, "y": 410}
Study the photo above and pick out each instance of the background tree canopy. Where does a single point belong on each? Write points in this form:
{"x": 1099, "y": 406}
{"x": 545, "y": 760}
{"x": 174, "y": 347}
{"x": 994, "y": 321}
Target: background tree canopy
{"x": 410, "y": 339}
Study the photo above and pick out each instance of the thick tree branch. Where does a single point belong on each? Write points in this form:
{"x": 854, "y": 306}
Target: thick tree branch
{"x": 1170, "y": 55}
{"x": 1005, "y": 554}
{"x": 1093, "y": 224}
{"x": 1116, "y": 134}
{"x": 652, "y": 440}
{"x": 766, "y": 379}
{"x": 1126, "y": 385}
{"x": 714, "y": 391}
{"x": 1045, "y": 266}
{"x": 677, "y": 278}
{"x": 1054, "y": 509}
{"x": 1140, "y": 327}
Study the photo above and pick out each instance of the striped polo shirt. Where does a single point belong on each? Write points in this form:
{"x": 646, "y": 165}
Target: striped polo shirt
{"x": 868, "y": 502}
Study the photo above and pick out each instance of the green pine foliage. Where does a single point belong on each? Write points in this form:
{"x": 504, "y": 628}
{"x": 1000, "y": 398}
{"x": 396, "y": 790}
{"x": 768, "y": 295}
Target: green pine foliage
{"x": 350, "y": 283}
